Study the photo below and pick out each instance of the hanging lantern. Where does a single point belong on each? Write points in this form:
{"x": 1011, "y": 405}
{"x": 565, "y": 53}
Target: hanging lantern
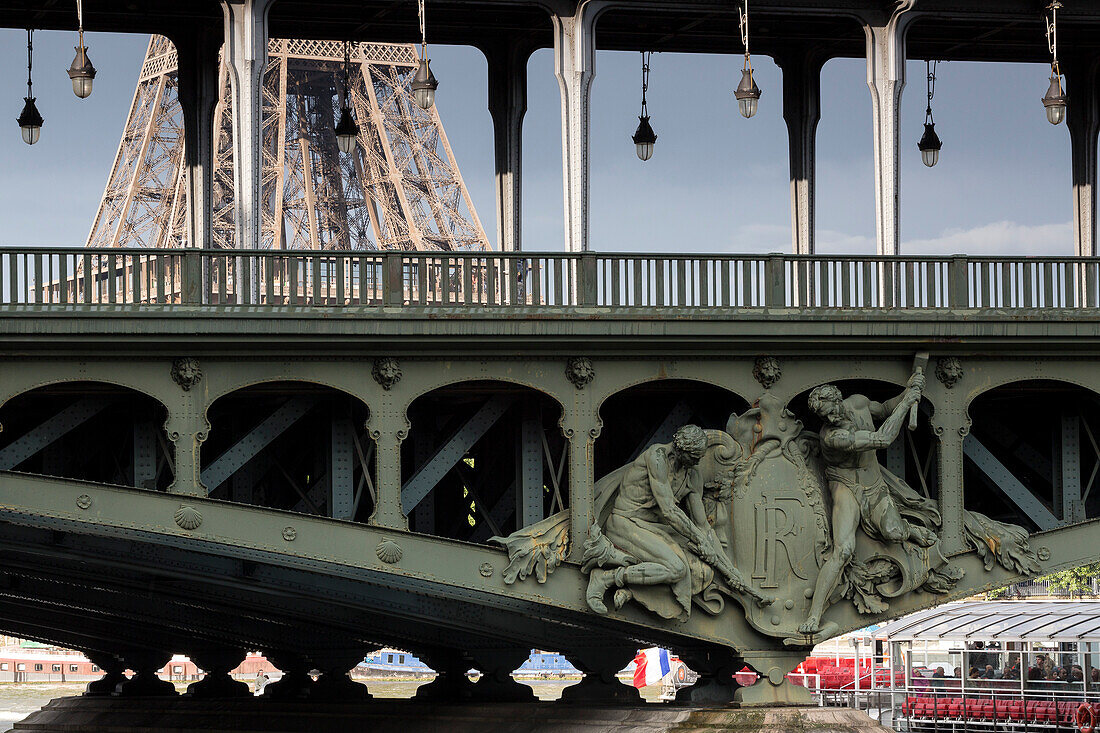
{"x": 1055, "y": 99}
{"x": 347, "y": 130}
{"x": 30, "y": 120}
{"x": 747, "y": 93}
{"x": 424, "y": 83}
{"x": 81, "y": 71}
{"x": 644, "y": 137}
{"x": 930, "y": 144}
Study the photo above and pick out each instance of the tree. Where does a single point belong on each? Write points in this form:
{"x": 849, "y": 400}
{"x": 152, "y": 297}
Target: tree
{"x": 1076, "y": 581}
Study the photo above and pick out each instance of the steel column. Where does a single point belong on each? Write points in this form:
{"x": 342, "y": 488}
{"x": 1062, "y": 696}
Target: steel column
{"x": 582, "y": 427}
{"x": 575, "y": 67}
{"x": 1067, "y": 494}
{"x": 951, "y": 426}
{"x": 145, "y": 454}
{"x": 529, "y": 468}
{"x": 886, "y": 79}
{"x": 341, "y": 470}
{"x": 801, "y": 112}
{"x": 1083, "y": 121}
{"x": 507, "y": 64}
{"x": 245, "y": 54}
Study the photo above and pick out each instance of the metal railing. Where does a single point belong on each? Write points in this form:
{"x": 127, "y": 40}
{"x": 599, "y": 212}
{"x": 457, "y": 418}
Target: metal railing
{"x": 86, "y": 276}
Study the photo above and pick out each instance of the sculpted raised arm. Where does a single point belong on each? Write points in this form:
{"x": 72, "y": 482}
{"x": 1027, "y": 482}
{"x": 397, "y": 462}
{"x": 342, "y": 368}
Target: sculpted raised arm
{"x": 864, "y": 440}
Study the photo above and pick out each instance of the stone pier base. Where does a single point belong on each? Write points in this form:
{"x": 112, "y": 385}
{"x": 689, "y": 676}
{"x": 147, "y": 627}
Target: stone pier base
{"x": 181, "y": 715}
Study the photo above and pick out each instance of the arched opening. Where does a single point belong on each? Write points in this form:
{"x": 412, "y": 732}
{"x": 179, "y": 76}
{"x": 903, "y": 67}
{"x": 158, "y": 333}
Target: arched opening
{"x": 1033, "y": 454}
{"x": 912, "y": 457}
{"x": 291, "y": 445}
{"x": 483, "y": 458}
{"x": 649, "y": 413}
{"x": 89, "y": 431}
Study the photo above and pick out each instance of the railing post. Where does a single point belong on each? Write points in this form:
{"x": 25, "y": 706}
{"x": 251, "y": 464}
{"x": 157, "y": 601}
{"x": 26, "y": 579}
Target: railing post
{"x": 958, "y": 294}
{"x": 393, "y": 281}
{"x": 587, "y": 279}
{"x": 191, "y": 277}
{"x": 775, "y": 282}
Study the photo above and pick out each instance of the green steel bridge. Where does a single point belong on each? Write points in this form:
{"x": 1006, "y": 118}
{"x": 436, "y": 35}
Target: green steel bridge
{"x": 308, "y": 452}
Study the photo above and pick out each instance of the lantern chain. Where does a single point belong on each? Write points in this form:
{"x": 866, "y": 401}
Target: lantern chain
{"x": 1051, "y": 23}
{"x": 646, "y": 56}
{"x": 743, "y": 23}
{"x": 30, "y": 57}
{"x": 931, "y": 79}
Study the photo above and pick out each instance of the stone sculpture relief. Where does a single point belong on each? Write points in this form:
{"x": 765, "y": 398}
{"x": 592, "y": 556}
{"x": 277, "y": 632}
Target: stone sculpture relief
{"x": 949, "y": 371}
{"x": 186, "y": 372}
{"x": 386, "y": 371}
{"x": 785, "y": 520}
{"x": 579, "y": 371}
{"x": 767, "y": 371}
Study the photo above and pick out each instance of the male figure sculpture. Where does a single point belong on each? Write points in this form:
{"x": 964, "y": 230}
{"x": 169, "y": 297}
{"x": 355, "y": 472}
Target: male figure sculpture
{"x": 864, "y": 494}
{"x": 651, "y": 531}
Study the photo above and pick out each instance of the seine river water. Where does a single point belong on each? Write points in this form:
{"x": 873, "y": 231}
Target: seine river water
{"x": 18, "y": 700}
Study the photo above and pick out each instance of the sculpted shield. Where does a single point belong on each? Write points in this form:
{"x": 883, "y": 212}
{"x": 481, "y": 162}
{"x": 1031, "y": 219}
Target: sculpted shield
{"x": 778, "y": 531}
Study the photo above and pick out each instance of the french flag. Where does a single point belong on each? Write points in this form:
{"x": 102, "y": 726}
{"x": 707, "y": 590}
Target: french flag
{"x": 650, "y": 666}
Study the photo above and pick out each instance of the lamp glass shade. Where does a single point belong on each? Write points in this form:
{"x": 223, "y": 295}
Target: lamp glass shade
{"x": 747, "y": 94}
{"x": 930, "y": 145}
{"x": 347, "y": 131}
{"x": 82, "y": 73}
{"x": 424, "y": 85}
{"x": 1055, "y": 101}
{"x": 644, "y": 138}
{"x": 30, "y": 121}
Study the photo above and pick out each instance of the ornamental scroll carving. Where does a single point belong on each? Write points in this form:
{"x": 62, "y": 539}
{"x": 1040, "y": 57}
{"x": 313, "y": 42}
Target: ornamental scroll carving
{"x": 784, "y": 520}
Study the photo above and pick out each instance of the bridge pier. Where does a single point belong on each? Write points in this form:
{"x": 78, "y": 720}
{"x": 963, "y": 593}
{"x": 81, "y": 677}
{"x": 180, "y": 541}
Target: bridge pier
{"x": 575, "y": 68}
{"x": 1083, "y": 121}
{"x": 496, "y": 683}
{"x": 801, "y": 111}
{"x": 886, "y": 79}
{"x": 334, "y": 684}
{"x": 507, "y": 66}
{"x": 716, "y": 684}
{"x": 451, "y": 683}
{"x": 295, "y": 684}
{"x": 599, "y": 684}
{"x": 145, "y": 682}
{"x": 217, "y": 683}
{"x": 197, "y": 50}
{"x": 245, "y": 52}
{"x": 113, "y": 674}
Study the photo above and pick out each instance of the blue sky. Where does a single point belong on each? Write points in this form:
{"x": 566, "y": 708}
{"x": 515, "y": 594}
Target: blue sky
{"x": 716, "y": 183}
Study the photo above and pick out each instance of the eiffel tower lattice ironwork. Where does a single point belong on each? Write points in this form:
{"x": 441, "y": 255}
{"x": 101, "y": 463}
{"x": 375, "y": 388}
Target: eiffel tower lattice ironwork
{"x": 400, "y": 188}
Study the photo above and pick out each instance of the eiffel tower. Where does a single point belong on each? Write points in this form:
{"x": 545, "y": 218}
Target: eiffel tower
{"x": 399, "y": 189}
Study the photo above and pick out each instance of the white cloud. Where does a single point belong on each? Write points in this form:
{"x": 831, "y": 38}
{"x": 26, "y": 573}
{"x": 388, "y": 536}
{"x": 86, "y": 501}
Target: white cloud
{"x": 1005, "y": 238}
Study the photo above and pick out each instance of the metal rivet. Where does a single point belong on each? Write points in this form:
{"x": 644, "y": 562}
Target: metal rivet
{"x": 789, "y": 604}
{"x": 776, "y": 620}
